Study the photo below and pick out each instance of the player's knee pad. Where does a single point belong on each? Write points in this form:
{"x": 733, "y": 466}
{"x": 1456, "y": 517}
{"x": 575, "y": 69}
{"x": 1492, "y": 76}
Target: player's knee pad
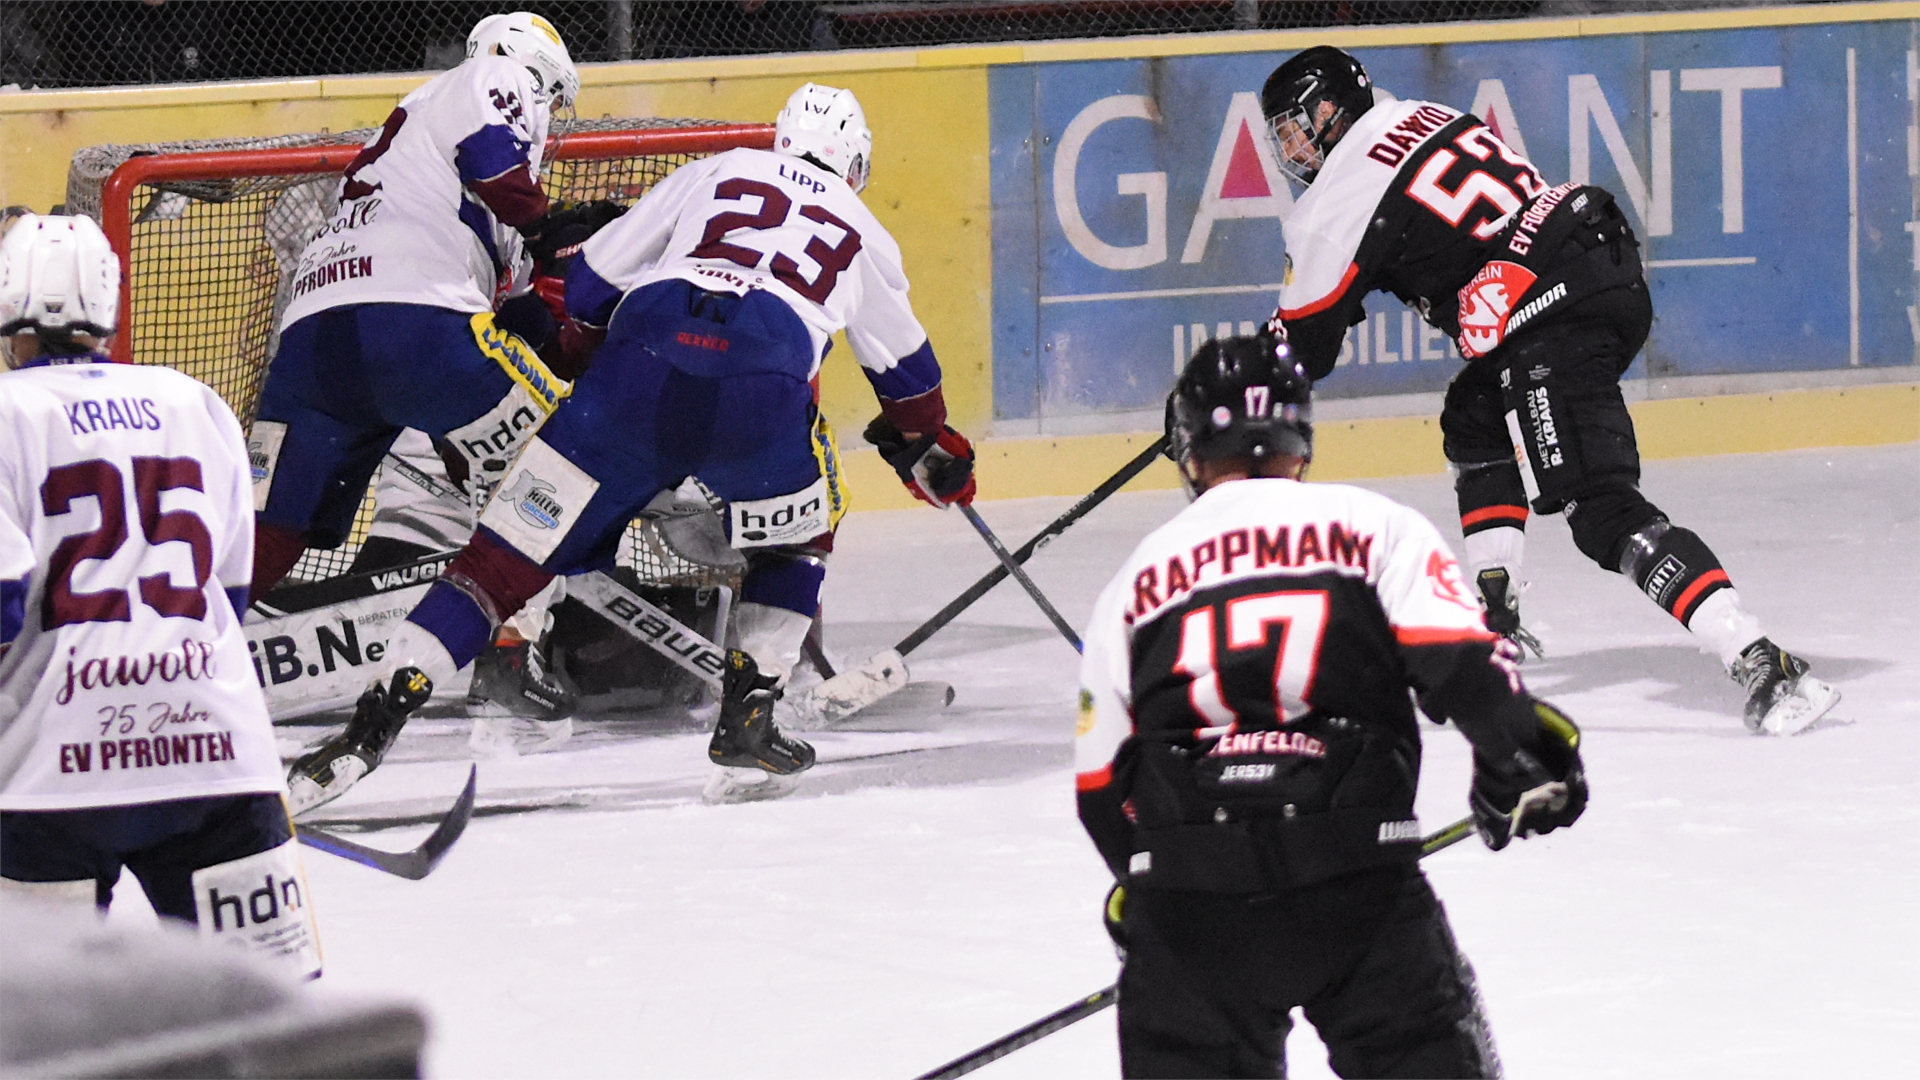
{"x": 261, "y": 902}
{"x": 1602, "y": 521}
{"x": 1673, "y": 566}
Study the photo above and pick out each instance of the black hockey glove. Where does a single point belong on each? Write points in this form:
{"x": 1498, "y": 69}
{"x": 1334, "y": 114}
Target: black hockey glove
{"x": 1542, "y": 788}
{"x": 565, "y": 229}
{"x": 937, "y": 467}
{"x": 1113, "y": 915}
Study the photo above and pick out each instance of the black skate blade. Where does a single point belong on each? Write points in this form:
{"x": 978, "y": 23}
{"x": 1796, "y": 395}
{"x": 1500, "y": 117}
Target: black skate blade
{"x": 415, "y": 863}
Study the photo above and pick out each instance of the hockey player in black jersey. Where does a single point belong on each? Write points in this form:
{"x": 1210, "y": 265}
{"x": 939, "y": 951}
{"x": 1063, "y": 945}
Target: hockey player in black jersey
{"x": 1247, "y": 753}
{"x": 1542, "y": 288}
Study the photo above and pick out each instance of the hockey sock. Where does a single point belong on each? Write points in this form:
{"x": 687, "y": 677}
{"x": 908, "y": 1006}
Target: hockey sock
{"x": 1491, "y": 496}
{"x": 452, "y": 620}
{"x": 778, "y": 599}
{"x": 773, "y": 636}
{"x": 417, "y": 646}
{"x": 1674, "y": 567}
{"x": 276, "y": 549}
{"x": 1723, "y": 625}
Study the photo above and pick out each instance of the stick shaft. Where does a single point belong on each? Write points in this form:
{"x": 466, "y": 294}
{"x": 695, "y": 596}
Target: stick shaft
{"x": 1025, "y": 551}
{"x": 1006, "y": 559}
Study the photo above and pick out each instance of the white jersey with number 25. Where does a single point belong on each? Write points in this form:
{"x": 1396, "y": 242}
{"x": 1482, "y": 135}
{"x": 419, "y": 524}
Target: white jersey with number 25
{"x": 754, "y": 219}
{"x": 126, "y": 513}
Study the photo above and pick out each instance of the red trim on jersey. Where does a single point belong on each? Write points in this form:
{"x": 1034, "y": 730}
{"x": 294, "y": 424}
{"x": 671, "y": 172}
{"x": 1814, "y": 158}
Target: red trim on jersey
{"x": 1494, "y": 513}
{"x": 1094, "y": 781}
{"x": 513, "y": 196}
{"x": 1327, "y": 301}
{"x": 1439, "y": 635}
{"x": 1683, "y": 607}
{"x": 921, "y": 413}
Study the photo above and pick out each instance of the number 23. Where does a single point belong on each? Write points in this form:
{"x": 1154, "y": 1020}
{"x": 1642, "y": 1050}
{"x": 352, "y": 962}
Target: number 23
{"x": 774, "y": 205}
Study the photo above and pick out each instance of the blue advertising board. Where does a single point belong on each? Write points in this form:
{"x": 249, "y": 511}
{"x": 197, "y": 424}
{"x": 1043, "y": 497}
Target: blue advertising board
{"x": 1770, "y": 174}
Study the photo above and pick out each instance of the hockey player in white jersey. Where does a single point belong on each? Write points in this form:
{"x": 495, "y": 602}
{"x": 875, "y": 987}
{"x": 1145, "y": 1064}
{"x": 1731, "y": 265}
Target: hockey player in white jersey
{"x": 719, "y": 291}
{"x": 132, "y": 731}
{"x": 392, "y": 322}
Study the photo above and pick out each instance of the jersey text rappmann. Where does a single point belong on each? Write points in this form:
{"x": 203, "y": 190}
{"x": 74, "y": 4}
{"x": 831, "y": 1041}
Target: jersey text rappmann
{"x": 1343, "y": 548}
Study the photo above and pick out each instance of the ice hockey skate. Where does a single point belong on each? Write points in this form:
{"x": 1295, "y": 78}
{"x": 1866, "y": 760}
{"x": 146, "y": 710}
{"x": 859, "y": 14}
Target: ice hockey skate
{"x": 753, "y": 759}
{"x": 324, "y": 773}
{"x": 1782, "y": 699}
{"x": 516, "y": 702}
{"x": 1501, "y": 603}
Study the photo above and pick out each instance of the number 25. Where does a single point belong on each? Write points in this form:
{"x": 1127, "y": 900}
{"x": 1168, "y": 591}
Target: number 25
{"x": 101, "y": 479}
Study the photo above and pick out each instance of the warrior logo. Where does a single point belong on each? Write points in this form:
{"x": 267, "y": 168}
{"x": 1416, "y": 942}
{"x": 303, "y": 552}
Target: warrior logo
{"x": 532, "y": 499}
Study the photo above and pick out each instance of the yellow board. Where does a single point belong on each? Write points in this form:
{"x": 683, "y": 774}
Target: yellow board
{"x": 930, "y": 184}
{"x": 1410, "y": 445}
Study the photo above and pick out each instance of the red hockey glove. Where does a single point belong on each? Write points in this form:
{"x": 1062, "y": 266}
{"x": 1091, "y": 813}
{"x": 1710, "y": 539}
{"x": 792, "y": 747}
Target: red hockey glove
{"x": 937, "y": 467}
{"x": 553, "y": 293}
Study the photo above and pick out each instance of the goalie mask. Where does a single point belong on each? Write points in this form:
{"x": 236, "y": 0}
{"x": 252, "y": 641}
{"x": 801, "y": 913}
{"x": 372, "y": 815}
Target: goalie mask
{"x": 59, "y": 279}
{"x": 826, "y": 126}
{"x": 529, "y": 40}
{"x": 1240, "y": 397}
{"x": 1309, "y": 102}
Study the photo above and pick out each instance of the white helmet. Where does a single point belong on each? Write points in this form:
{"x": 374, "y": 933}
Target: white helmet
{"x": 530, "y": 40}
{"x": 58, "y": 277}
{"x": 827, "y": 125}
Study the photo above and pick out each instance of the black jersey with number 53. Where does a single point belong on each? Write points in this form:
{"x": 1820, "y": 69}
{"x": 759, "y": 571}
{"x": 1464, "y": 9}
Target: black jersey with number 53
{"x": 1246, "y": 719}
{"x": 1414, "y": 200}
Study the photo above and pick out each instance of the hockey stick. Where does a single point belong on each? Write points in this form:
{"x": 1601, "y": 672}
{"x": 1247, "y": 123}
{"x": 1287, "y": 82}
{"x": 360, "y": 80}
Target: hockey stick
{"x": 1006, "y": 559}
{"x": 1099, "y": 1000}
{"x": 1025, "y": 551}
{"x": 886, "y": 671}
{"x": 412, "y": 864}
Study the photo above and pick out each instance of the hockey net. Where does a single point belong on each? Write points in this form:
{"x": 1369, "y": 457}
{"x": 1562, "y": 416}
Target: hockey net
{"x": 209, "y": 231}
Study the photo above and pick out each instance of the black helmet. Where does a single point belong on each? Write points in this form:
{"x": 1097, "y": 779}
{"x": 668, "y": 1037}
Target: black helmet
{"x": 1294, "y": 92}
{"x": 1240, "y": 397}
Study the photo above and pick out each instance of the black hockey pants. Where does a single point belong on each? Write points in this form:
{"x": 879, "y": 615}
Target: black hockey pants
{"x": 1560, "y": 385}
{"x": 163, "y": 843}
{"x": 1209, "y": 981}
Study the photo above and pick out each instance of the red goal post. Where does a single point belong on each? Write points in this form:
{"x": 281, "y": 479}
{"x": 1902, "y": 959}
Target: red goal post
{"x": 207, "y": 233}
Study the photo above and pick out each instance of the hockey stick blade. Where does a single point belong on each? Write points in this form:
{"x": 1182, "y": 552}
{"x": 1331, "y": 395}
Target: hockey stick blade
{"x": 415, "y": 863}
{"x": 850, "y": 691}
{"x": 1006, "y": 559}
{"x": 1099, "y": 1000}
{"x": 882, "y": 674}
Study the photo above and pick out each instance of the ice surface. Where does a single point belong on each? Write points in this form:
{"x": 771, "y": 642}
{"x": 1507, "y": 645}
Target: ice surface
{"x": 1730, "y": 905}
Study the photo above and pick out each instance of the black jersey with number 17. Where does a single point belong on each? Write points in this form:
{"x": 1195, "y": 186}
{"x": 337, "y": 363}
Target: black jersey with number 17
{"x": 1414, "y": 199}
{"x": 1246, "y": 689}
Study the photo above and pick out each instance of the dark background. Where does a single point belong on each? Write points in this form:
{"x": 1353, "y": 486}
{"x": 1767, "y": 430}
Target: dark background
{"x": 131, "y": 42}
